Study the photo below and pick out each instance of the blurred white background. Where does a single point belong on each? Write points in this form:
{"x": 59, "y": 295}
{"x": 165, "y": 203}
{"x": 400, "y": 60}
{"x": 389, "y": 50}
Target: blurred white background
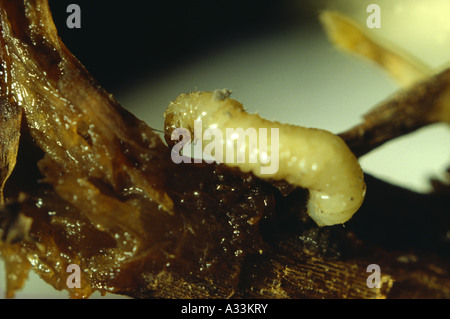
{"x": 294, "y": 75}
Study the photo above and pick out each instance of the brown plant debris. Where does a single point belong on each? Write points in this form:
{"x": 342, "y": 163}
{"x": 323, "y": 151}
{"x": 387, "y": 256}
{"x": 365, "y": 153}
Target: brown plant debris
{"x": 85, "y": 182}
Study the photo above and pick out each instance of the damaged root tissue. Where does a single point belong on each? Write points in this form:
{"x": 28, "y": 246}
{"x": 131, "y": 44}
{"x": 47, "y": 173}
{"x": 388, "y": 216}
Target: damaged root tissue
{"x": 99, "y": 185}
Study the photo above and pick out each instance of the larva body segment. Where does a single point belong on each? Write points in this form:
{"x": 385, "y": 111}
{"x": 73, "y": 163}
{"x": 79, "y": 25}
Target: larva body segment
{"x": 309, "y": 158}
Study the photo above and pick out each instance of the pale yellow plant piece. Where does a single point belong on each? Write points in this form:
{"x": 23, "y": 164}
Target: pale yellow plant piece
{"x": 349, "y": 37}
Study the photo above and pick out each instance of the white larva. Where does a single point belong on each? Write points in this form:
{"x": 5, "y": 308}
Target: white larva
{"x": 309, "y": 158}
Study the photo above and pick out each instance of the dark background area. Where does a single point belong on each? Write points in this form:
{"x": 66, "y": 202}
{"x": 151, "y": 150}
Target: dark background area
{"x": 120, "y": 42}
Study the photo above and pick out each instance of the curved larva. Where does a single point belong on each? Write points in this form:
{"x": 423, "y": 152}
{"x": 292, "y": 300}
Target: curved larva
{"x": 309, "y": 158}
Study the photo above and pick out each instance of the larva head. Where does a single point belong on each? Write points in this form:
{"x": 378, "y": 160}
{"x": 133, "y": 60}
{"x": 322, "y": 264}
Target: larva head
{"x": 187, "y": 108}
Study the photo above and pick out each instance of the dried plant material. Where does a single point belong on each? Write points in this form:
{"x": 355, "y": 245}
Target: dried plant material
{"x": 312, "y": 159}
{"x": 97, "y": 179}
{"x": 349, "y": 37}
{"x": 10, "y": 118}
{"x": 101, "y": 192}
{"x": 14, "y": 225}
{"x": 423, "y": 101}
